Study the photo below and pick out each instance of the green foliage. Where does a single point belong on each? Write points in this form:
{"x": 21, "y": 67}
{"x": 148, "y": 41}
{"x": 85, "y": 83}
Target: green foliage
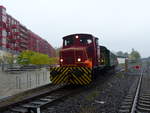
{"x": 7, "y": 58}
{"x": 54, "y": 60}
{"x": 92, "y": 95}
{"x": 29, "y": 57}
{"x": 120, "y": 53}
{"x": 126, "y": 55}
{"x": 57, "y": 51}
{"x": 135, "y": 55}
{"x": 87, "y": 109}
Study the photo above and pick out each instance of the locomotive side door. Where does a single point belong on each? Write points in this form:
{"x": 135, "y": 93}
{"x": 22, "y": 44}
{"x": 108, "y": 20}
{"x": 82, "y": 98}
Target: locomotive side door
{"x": 97, "y": 51}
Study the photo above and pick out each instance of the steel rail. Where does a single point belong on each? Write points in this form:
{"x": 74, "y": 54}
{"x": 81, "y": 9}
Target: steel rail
{"x": 133, "y": 109}
{"x": 27, "y": 95}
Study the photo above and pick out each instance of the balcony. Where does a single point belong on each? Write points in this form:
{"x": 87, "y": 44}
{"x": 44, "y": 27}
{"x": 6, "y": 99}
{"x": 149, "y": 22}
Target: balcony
{"x": 14, "y": 26}
{"x": 23, "y": 45}
{"x": 24, "y": 41}
{"x": 23, "y": 36}
{"x": 16, "y": 33}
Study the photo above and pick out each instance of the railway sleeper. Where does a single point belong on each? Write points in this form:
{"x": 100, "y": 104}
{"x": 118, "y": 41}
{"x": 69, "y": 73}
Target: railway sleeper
{"x": 143, "y": 109}
{"x": 144, "y": 101}
{"x": 144, "y": 105}
{"x": 19, "y": 109}
{"x": 124, "y": 110}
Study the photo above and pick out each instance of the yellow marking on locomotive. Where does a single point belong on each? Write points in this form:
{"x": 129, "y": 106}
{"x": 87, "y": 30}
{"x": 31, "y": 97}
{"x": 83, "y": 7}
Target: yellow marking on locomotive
{"x": 77, "y": 79}
{"x": 83, "y": 69}
{"x": 72, "y": 81}
{"x": 87, "y": 69}
{"x": 74, "y": 75}
{"x": 55, "y": 80}
{"x": 61, "y": 78}
{"x": 89, "y": 79}
{"x": 83, "y": 77}
{"x": 63, "y": 73}
{"x": 65, "y": 79}
{"x": 65, "y": 76}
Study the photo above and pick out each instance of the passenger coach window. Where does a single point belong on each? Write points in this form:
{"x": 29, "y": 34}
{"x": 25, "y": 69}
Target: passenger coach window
{"x": 68, "y": 42}
{"x": 85, "y": 41}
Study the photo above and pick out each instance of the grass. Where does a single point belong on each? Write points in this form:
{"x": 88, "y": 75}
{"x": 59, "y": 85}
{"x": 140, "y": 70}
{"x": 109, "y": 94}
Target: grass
{"x": 92, "y": 95}
{"x": 87, "y": 110}
{"x": 120, "y": 75}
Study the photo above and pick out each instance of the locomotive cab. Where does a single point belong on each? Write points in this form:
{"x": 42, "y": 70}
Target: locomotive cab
{"x": 78, "y": 50}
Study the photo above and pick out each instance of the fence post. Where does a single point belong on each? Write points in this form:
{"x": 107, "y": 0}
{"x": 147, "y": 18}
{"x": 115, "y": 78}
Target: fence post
{"x": 126, "y": 65}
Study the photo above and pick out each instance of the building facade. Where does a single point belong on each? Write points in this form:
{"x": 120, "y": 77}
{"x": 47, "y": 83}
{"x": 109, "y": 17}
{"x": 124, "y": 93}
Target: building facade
{"x": 15, "y": 37}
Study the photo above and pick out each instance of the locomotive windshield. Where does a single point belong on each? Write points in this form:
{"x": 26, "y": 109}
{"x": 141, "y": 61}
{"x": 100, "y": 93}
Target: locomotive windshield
{"x": 77, "y": 40}
{"x": 68, "y": 42}
{"x": 84, "y": 40}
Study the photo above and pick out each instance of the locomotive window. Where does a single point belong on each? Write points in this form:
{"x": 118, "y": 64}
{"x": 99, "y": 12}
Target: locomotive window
{"x": 96, "y": 41}
{"x": 85, "y": 41}
{"x": 68, "y": 42}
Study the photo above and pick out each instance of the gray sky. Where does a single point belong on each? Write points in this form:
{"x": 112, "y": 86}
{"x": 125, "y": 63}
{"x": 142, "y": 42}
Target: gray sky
{"x": 119, "y": 24}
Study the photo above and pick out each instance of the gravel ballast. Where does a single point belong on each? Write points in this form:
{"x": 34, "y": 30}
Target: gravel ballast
{"x": 103, "y": 96}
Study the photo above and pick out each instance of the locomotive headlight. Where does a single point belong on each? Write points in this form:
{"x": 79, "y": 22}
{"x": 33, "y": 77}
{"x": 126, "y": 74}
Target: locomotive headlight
{"x": 77, "y": 37}
{"x": 79, "y": 59}
{"x": 61, "y": 60}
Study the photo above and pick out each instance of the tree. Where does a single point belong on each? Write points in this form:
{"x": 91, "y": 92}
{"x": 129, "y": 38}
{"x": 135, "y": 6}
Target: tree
{"x": 120, "y": 53}
{"x": 29, "y": 57}
{"x": 7, "y": 58}
{"x": 126, "y": 54}
{"x": 57, "y": 51}
{"x": 54, "y": 60}
{"x": 135, "y": 55}
{"x": 25, "y": 57}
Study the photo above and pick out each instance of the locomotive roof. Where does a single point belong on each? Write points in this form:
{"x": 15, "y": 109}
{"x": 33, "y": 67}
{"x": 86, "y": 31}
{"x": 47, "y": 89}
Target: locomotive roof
{"x": 78, "y": 34}
{"x": 103, "y": 47}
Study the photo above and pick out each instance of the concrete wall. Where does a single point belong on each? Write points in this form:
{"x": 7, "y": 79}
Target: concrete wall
{"x": 20, "y": 81}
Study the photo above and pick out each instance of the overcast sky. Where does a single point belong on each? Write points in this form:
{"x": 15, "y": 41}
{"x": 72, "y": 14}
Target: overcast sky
{"x": 119, "y": 24}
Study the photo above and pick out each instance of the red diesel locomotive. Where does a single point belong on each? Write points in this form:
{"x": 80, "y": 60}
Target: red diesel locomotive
{"x": 80, "y": 56}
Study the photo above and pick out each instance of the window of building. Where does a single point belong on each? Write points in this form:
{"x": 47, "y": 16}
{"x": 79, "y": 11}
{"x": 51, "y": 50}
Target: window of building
{"x": 4, "y": 33}
{"x": 3, "y": 11}
{"x": 4, "y": 19}
{"x": 4, "y": 40}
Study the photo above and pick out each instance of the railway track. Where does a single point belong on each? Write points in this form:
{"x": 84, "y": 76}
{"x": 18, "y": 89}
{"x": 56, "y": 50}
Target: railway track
{"x": 38, "y": 103}
{"x": 12, "y": 104}
{"x": 34, "y": 101}
{"x": 138, "y": 98}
